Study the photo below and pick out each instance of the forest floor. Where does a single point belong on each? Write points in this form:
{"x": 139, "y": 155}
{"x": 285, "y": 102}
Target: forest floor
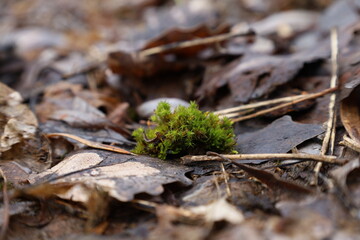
{"x": 78, "y": 77}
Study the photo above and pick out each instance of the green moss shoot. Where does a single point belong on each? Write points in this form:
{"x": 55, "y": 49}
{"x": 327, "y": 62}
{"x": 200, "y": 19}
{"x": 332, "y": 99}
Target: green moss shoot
{"x": 187, "y": 130}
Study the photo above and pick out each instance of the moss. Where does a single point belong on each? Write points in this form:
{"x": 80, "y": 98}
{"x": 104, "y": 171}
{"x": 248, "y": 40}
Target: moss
{"x": 187, "y": 130}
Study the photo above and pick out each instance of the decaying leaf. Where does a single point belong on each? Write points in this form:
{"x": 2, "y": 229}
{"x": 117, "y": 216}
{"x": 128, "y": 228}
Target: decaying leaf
{"x": 17, "y": 123}
{"x": 120, "y": 175}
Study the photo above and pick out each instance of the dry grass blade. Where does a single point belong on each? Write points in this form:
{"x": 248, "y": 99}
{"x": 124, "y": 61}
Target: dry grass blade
{"x": 329, "y": 138}
{"x": 192, "y": 43}
{"x": 226, "y": 180}
{"x": 350, "y": 143}
{"x": 90, "y": 143}
{"x": 260, "y": 104}
{"x": 263, "y": 112}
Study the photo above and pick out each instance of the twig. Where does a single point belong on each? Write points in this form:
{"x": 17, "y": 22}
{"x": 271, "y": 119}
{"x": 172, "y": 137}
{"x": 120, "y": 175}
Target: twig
{"x": 261, "y": 104}
{"x": 329, "y": 138}
{"x": 236, "y": 114}
{"x": 6, "y": 212}
{"x": 260, "y": 113}
{"x": 192, "y": 43}
{"x": 217, "y": 185}
{"x": 350, "y": 143}
{"x": 271, "y": 180}
{"x": 145, "y": 205}
{"x": 226, "y": 180}
{"x": 263, "y": 156}
{"x": 90, "y": 143}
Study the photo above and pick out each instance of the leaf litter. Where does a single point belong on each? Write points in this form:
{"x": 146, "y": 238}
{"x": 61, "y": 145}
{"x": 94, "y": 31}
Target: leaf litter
{"x": 69, "y": 97}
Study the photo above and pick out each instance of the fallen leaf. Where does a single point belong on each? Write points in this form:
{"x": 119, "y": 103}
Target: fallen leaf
{"x": 19, "y": 139}
{"x": 16, "y": 174}
{"x": 119, "y": 175}
{"x": 17, "y": 122}
{"x": 219, "y": 210}
{"x": 280, "y": 136}
{"x": 350, "y": 114}
{"x": 294, "y": 21}
{"x": 340, "y": 174}
{"x": 31, "y": 39}
{"x": 347, "y": 9}
{"x": 95, "y": 135}
{"x": 169, "y": 55}
{"x": 320, "y": 216}
{"x": 16, "y": 208}
{"x": 250, "y": 77}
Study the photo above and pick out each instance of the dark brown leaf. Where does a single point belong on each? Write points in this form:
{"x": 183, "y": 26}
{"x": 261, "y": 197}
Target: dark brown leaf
{"x": 280, "y": 136}
{"x": 250, "y": 77}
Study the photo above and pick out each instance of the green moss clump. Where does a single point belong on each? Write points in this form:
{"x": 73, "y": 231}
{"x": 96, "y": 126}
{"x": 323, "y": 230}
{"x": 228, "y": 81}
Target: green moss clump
{"x": 187, "y": 130}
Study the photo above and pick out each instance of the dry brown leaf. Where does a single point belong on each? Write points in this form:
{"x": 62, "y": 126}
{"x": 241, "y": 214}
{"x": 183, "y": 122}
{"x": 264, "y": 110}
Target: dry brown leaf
{"x": 350, "y": 114}
{"x": 121, "y": 176}
{"x": 219, "y": 210}
{"x": 17, "y": 123}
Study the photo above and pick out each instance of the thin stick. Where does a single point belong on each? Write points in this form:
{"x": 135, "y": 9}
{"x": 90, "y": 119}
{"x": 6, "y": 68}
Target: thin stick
{"x": 236, "y": 114}
{"x": 350, "y": 143}
{"x": 6, "y": 212}
{"x": 262, "y": 104}
{"x": 226, "y": 180}
{"x": 263, "y": 156}
{"x": 217, "y": 185}
{"x": 260, "y": 113}
{"x": 192, "y": 43}
{"x": 265, "y": 177}
{"x": 329, "y": 138}
{"x": 145, "y": 205}
{"x": 91, "y": 143}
